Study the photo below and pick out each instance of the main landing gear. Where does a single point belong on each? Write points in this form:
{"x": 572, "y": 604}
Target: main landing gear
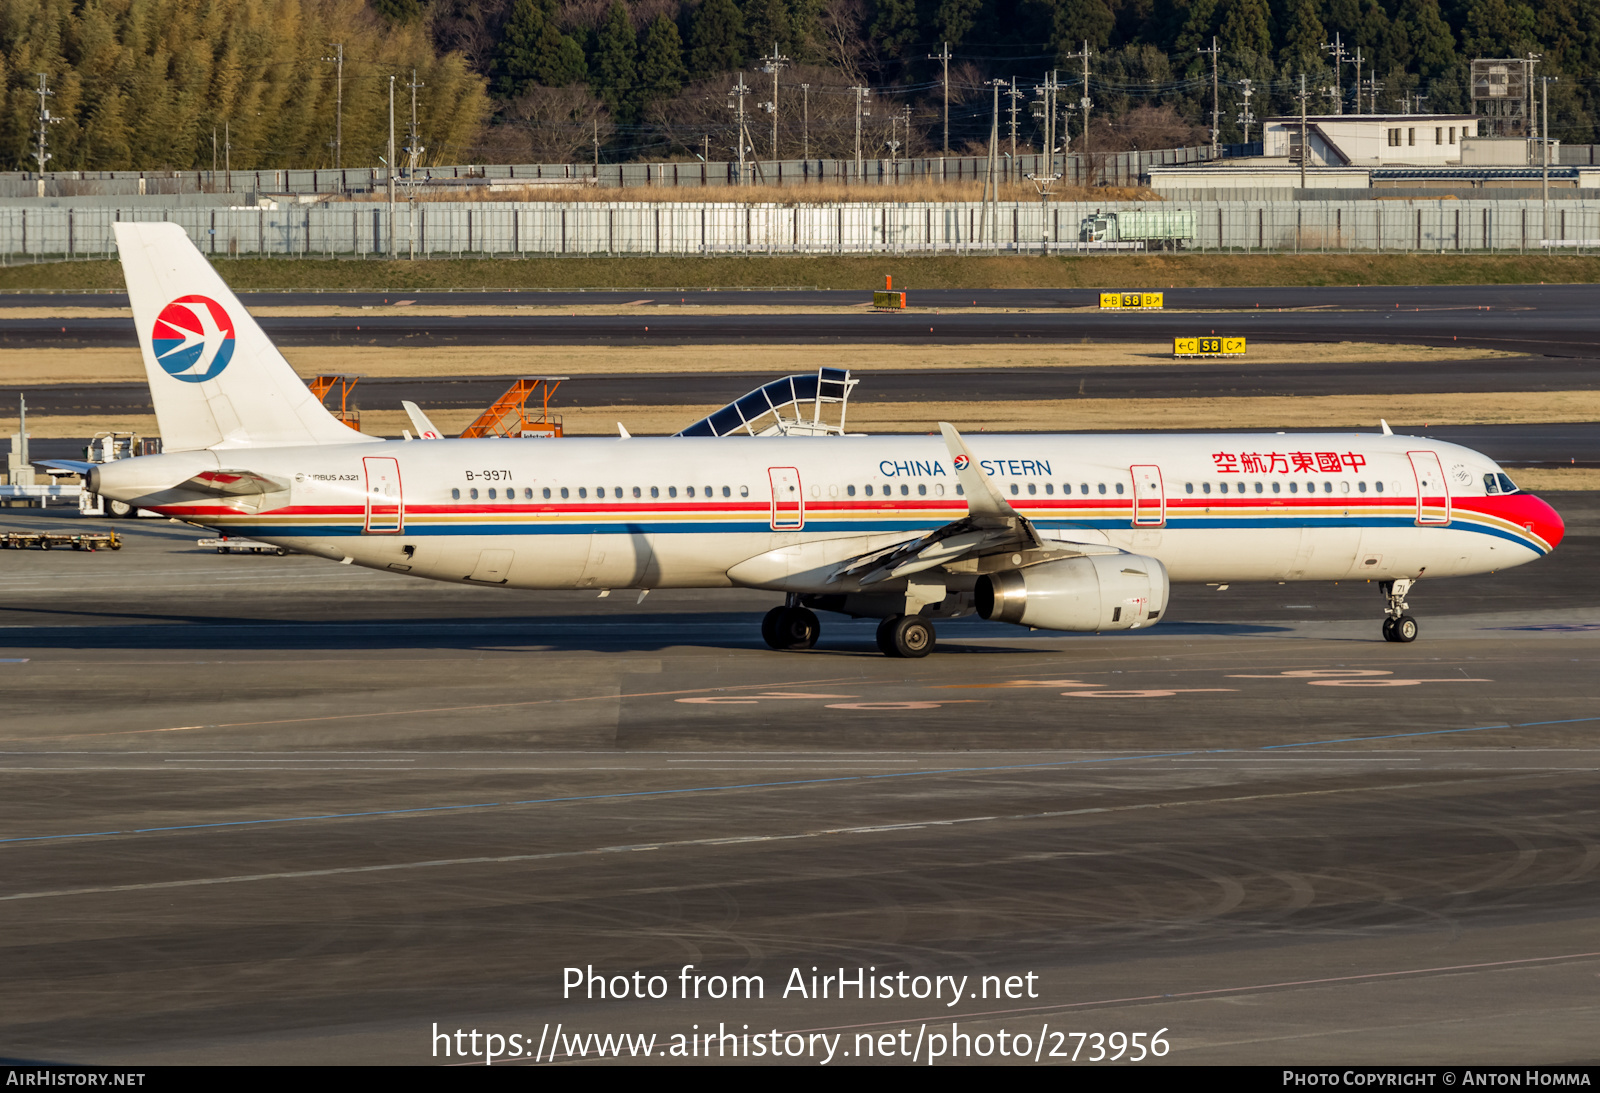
{"x": 790, "y": 628}
{"x": 1399, "y": 626}
{"x": 794, "y": 627}
{"x": 907, "y": 636}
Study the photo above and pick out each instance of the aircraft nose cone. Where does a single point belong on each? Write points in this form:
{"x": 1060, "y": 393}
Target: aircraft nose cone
{"x": 1547, "y": 522}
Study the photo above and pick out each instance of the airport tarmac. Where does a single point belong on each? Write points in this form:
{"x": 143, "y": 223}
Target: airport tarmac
{"x": 267, "y": 809}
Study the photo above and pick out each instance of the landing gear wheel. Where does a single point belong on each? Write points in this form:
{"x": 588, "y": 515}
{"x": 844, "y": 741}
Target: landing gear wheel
{"x": 906, "y": 636}
{"x": 1404, "y": 629}
{"x": 790, "y": 628}
{"x": 1388, "y": 630}
{"x": 119, "y": 509}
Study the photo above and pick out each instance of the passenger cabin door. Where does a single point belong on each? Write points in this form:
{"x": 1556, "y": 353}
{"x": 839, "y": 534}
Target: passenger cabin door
{"x": 788, "y": 506}
{"x": 1149, "y": 497}
{"x": 1433, "y": 492}
{"x": 386, "y": 509}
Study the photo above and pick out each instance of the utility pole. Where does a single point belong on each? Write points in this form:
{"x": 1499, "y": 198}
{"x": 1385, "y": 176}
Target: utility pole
{"x": 1216, "y": 103}
{"x": 1544, "y": 89}
{"x": 1245, "y": 117}
{"x": 1374, "y": 85}
{"x": 944, "y": 58}
{"x": 861, "y": 98}
{"x": 338, "y": 108}
{"x": 1530, "y": 107}
{"x": 1305, "y": 151}
{"x": 391, "y": 168}
{"x": 414, "y": 150}
{"x": 1358, "y": 59}
{"x": 1084, "y": 102}
{"x": 736, "y": 103}
{"x": 1048, "y": 93}
{"x": 991, "y": 189}
{"x": 774, "y": 64}
{"x": 1337, "y": 49}
{"x": 227, "y": 156}
{"x": 596, "y": 139}
{"x": 805, "y": 122}
{"x": 42, "y": 153}
{"x": 1016, "y": 96}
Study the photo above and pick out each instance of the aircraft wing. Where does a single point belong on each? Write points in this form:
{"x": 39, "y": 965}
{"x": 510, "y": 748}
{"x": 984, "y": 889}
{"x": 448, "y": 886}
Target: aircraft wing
{"x": 991, "y": 526}
{"x": 67, "y": 466}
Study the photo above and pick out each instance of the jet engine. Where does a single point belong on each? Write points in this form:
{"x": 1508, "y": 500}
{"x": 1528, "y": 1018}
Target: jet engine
{"x": 1095, "y": 592}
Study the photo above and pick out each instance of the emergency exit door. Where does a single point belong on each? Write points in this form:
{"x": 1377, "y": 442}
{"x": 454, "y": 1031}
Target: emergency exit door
{"x": 386, "y": 509}
{"x": 1433, "y": 492}
{"x": 788, "y": 506}
{"x": 1149, "y": 498}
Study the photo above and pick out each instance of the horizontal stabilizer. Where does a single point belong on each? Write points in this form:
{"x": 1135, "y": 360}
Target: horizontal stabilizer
{"x": 230, "y": 483}
{"x": 67, "y": 466}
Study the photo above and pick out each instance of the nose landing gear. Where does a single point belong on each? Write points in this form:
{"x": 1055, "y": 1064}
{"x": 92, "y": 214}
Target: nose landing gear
{"x": 1399, "y": 626}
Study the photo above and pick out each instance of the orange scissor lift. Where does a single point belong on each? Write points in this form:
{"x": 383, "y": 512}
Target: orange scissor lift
{"x": 347, "y": 413}
{"x": 509, "y": 416}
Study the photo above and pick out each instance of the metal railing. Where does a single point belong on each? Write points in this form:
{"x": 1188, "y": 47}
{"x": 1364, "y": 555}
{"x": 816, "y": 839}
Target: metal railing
{"x": 502, "y": 229}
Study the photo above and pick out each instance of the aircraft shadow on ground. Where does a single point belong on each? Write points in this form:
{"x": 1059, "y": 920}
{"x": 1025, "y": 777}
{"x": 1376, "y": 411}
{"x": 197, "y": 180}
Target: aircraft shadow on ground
{"x": 133, "y": 630}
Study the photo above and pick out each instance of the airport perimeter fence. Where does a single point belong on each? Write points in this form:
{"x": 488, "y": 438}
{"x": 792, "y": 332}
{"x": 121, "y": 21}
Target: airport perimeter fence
{"x": 1108, "y": 169}
{"x": 465, "y": 229}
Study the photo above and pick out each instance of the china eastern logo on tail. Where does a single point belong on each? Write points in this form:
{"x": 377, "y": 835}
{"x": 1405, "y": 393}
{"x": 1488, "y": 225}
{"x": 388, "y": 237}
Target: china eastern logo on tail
{"x": 193, "y": 339}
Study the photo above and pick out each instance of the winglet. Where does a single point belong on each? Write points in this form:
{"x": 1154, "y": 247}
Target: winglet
{"x": 425, "y": 429}
{"x": 622, "y": 432}
{"x": 982, "y": 496}
{"x": 1386, "y": 430}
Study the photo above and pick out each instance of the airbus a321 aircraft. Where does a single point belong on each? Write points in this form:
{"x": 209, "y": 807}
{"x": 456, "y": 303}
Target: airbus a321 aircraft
{"x": 1059, "y": 532}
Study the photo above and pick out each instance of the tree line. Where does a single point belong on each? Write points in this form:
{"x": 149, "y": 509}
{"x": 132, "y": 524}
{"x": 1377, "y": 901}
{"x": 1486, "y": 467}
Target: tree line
{"x": 144, "y": 82}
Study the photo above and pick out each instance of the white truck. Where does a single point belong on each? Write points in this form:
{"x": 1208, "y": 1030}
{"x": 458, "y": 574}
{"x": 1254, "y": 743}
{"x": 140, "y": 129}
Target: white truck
{"x": 1157, "y": 229}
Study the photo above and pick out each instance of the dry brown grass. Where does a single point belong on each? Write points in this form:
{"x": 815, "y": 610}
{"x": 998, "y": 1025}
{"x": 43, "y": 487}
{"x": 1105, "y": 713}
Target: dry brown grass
{"x": 1556, "y": 479}
{"x": 123, "y": 365}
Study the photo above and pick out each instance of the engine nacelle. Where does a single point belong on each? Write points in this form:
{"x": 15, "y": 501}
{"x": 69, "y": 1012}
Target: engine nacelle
{"x": 1095, "y": 592}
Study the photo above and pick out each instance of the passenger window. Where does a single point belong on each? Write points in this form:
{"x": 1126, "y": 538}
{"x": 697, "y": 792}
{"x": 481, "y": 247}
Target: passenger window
{"x": 655, "y": 491}
{"x": 1362, "y": 486}
{"x": 583, "y": 492}
{"x": 1033, "y": 490}
{"x": 672, "y": 491}
{"x": 455, "y": 495}
{"x": 1277, "y": 487}
{"x": 850, "y": 491}
{"x": 1260, "y": 488}
{"x": 1327, "y": 487}
{"x": 547, "y": 493}
{"x": 1222, "y": 487}
{"x": 1015, "y": 489}
{"x": 563, "y": 493}
{"x": 1049, "y": 488}
{"x": 922, "y": 489}
{"x": 1102, "y": 488}
{"x": 473, "y": 494}
{"x": 1344, "y": 487}
{"x": 1119, "y": 487}
{"x": 636, "y": 492}
{"x": 527, "y": 494}
{"x": 1205, "y": 487}
{"x": 960, "y": 490}
{"x": 744, "y": 491}
{"x": 905, "y": 491}
{"x": 491, "y": 494}
{"x": 938, "y": 489}
{"x": 1188, "y": 487}
{"x": 1378, "y": 486}
{"x": 1083, "y": 487}
{"x": 1294, "y": 487}
{"x": 710, "y": 492}
{"x": 869, "y": 489}
{"x": 726, "y": 492}
{"x": 617, "y": 493}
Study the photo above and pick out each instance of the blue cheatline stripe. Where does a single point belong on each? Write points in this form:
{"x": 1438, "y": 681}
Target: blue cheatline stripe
{"x": 429, "y": 526}
{"x": 424, "y": 810}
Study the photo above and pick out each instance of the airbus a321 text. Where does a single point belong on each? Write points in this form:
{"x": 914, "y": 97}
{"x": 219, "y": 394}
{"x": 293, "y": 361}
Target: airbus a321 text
{"x": 1072, "y": 532}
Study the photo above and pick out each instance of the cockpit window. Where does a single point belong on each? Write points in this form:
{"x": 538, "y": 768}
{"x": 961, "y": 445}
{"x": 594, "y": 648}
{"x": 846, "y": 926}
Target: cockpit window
{"x": 1491, "y": 484}
{"x": 1507, "y": 486}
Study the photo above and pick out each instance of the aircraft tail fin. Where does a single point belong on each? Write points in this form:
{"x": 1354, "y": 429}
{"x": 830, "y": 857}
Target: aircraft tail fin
{"x": 419, "y": 421}
{"x": 216, "y": 379}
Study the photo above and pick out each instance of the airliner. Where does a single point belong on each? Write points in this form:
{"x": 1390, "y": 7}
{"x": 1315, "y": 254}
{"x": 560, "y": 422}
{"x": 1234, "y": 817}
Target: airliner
{"x": 1065, "y": 532}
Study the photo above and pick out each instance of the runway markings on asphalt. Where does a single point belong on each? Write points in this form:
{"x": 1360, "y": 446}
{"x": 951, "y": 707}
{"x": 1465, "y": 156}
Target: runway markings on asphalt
{"x": 1357, "y": 677}
{"x": 786, "y": 783}
{"x": 720, "y": 840}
